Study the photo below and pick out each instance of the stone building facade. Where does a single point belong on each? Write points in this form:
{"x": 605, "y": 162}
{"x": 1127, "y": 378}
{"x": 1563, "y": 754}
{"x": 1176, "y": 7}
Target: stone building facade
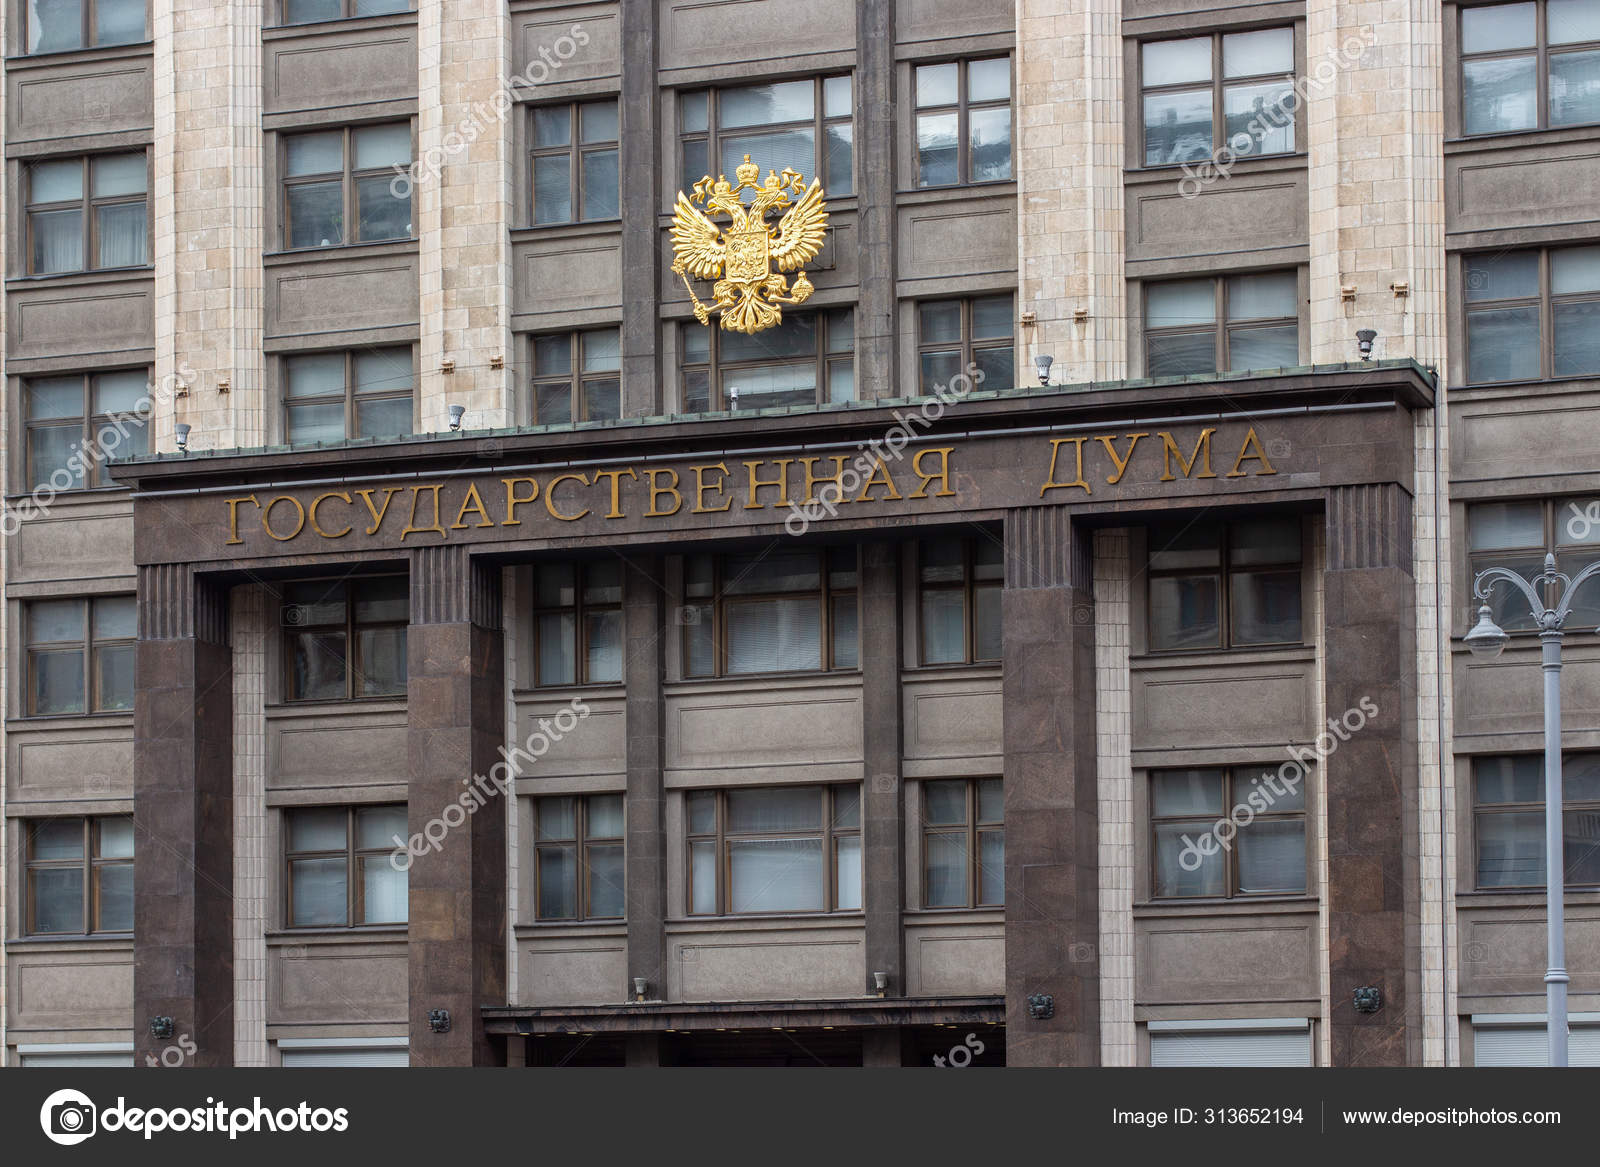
{"x": 1041, "y": 649}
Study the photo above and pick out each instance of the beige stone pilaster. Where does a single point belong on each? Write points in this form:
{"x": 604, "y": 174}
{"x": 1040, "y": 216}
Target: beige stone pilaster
{"x": 1119, "y": 1045}
{"x": 463, "y": 208}
{"x": 206, "y": 211}
{"x": 1069, "y": 150}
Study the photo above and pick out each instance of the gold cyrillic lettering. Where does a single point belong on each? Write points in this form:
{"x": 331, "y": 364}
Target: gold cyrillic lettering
{"x": 943, "y": 475}
{"x": 377, "y": 513}
{"x": 880, "y": 476}
{"x": 1202, "y": 454}
{"x": 300, "y": 518}
{"x": 550, "y": 497}
{"x": 512, "y": 501}
{"x": 701, "y": 486}
{"x": 781, "y": 482}
{"x": 312, "y": 514}
{"x": 1260, "y": 455}
{"x": 473, "y": 502}
{"x": 233, "y": 515}
{"x": 813, "y": 479}
{"x": 616, "y": 487}
{"x": 1109, "y": 442}
{"x": 657, "y": 490}
{"x": 1051, "y": 483}
{"x": 411, "y": 523}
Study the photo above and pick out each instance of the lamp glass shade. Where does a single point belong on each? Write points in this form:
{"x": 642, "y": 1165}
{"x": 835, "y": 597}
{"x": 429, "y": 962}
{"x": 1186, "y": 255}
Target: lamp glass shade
{"x": 1486, "y": 638}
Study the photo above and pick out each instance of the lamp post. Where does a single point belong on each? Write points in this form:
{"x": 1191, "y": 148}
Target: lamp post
{"x": 1486, "y": 640}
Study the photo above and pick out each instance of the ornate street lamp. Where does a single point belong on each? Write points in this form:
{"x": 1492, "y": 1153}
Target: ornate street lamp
{"x": 1486, "y": 640}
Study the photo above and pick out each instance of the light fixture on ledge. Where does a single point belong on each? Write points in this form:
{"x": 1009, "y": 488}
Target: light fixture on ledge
{"x": 880, "y": 982}
{"x": 640, "y": 988}
{"x": 183, "y": 437}
{"x": 456, "y": 414}
{"x": 1364, "y": 339}
{"x": 1042, "y": 363}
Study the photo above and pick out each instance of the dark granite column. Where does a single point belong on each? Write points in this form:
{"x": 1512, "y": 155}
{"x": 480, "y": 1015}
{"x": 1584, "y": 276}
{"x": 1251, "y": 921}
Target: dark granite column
{"x": 456, "y": 716}
{"x": 1051, "y": 807}
{"x": 875, "y": 226}
{"x": 882, "y": 799}
{"x": 644, "y": 644}
{"x": 642, "y": 241}
{"x": 183, "y": 817}
{"x": 1373, "y": 892}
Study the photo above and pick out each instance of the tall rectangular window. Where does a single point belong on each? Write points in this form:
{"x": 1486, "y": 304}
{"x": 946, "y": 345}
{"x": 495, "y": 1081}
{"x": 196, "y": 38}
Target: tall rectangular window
{"x": 577, "y": 623}
{"x": 79, "y": 875}
{"x": 363, "y": 393}
{"x": 953, "y": 334}
{"x": 87, "y": 213}
{"x": 574, "y": 162}
{"x": 801, "y": 125}
{"x": 578, "y": 857}
{"x": 1233, "y": 89}
{"x": 1259, "y": 324}
{"x": 346, "y": 638}
{"x": 80, "y": 655}
{"x": 577, "y": 376}
{"x": 1224, "y": 585}
{"x": 772, "y": 612}
{"x": 809, "y": 359}
{"x": 963, "y": 843}
{"x": 774, "y": 849}
{"x": 1518, "y": 535}
{"x": 959, "y": 593}
{"x": 309, "y": 11}
{"x": 337, "y": 866}
{"x": 963, "y": 122}
{"x": 1508, "y": 809}
{"x": 1266, "y": 856}
{"x": 59, "y": 26}
{"x": 341, "y": 186}
{"x": 1533, "y": 315}
{"x": 1530, "y": 66}
{"x": 75, "y": 423}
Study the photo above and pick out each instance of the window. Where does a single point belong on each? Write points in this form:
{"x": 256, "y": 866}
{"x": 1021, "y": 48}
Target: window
{"x": 577, "y": 623}
{"x": 1508, "y": 806}
{"x": 80, "y": 655}
{"x": 964, "y": 122}
{"x": 329, "y": 397}
{"x": 1518, "y": 535}
{"x": 58, "y": 26}
{"x": 67, "y": 233}
{"x": 1224, "y": 585}
{"x": 960, "y": 599}
{"x": 1515, "y": 299}
{"x": 574, "y": 162}
{"x": 963, "y": 844}
{"x": 774, "y": 849}
{"x": 953, "y": 334}
{"x": 80, "y": 875}
{"x": 346, "y": 637}
{"x": 778, "y": 125}
{"x": 1241, "y": 81}
{"x": 1261, "y": 327}
{"x": 1513, "y": 53}
{"x": 771, "y": 612}
{"x": 809, "y": 359}
{"x": 578, "y": 857}
{"x": 337, "y": 866}
{"x": 307, "y": 11}
{"x": 1267, "y": 855}
{"x": 75, "y": 423}
{"x": 577, "y": 377}
{"x": 333, "y": 178}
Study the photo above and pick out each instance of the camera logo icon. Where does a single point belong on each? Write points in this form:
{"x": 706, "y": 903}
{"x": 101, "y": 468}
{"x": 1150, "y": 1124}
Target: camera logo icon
{"x": 68, "y": 1117}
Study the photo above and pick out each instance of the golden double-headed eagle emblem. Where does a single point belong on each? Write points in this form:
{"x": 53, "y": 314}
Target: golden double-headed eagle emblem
{"x": 749, "y": 293}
